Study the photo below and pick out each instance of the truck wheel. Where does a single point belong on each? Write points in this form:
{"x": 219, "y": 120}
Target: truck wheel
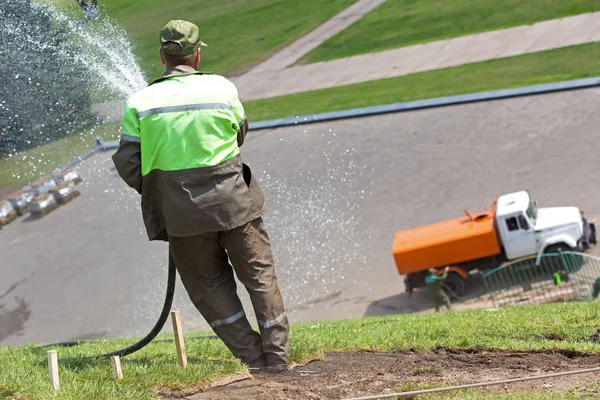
{"x": 589, "y": 234}
{"x": 555, "y": 248}
{"x": 454, "y": 286}
{"x": 574, "y": 261}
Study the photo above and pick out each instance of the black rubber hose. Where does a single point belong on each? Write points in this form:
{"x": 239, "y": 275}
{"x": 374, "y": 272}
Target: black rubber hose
{"x": 161, "y": 320}
{"x": 152, "y": 334}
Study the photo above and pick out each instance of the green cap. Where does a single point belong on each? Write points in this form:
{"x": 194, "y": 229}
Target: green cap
{"x": 185, "y": 34}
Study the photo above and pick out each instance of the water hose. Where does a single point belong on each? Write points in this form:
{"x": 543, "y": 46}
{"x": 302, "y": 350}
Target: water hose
{"x": 161, "y": 319}
{"x": 155, "y": 330}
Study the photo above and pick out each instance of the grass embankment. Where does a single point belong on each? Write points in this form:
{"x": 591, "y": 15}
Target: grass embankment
{"x": 32, "y": 164}
{"x": 565, "y": 63}
{"x": 399, "y": 23}
{"x": 239, "y": 33}
{"x": 548, "y": 66}
{"x": 549, "y": 327}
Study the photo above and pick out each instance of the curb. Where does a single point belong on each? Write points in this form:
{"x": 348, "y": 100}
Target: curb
{"x": 100, "y": 146}
{"x": 429, "y": 103}
{"x": 545, "y": 88}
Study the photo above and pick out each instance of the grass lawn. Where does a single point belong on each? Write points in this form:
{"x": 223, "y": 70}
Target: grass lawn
{"x": 399, "y": 23}
{"x": 239, "y": 33}
{"x": 566, "y": 63}
{"x": 32, "y": 164}
{"x": 24, "y": 369}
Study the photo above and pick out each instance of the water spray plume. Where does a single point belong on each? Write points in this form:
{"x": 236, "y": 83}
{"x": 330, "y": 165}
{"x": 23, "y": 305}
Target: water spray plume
{"x": 53, "y": 66}
{"x": 106, "y": 51}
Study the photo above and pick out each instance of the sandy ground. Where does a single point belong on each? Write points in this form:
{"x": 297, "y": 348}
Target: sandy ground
{"x": 338, "y": 192}
{"x": 351, "y": 375}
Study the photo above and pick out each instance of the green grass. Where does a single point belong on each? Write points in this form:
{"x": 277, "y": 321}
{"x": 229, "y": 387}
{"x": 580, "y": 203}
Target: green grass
{"x": 24, "y": 369}
{"x": 239, "y": 33}
{"x": 399, "y": 23}
{"x": 30, "y": 165}
{"x": 548, "y": 66}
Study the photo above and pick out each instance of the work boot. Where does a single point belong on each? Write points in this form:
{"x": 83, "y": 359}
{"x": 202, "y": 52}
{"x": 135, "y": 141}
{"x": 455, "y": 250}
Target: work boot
{"x": 271, "y": 369}
{"x": 275, "y": 369}
{"x": 257, "y": 363}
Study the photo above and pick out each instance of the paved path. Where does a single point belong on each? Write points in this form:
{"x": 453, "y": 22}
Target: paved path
{"x": 337, "y": 193}
{"x": 300, "y": 47}
{"x": 267, "y": 80}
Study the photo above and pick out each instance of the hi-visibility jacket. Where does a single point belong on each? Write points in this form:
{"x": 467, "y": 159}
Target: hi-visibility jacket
{"x": 180, "y": 150}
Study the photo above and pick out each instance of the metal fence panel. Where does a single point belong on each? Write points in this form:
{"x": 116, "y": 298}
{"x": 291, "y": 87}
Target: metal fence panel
{"x": 559, "y": 277}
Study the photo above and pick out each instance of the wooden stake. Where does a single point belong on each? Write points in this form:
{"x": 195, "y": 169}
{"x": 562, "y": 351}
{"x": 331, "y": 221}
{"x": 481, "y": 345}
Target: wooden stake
{"x": 53, "y": 368}
{"x": 179, "y": 343}
{"x": 116, "y": 364}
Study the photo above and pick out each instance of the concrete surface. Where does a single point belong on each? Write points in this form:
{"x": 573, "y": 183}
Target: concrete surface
{"x": 337, "y": 192}
{"x": 270, "y": 81}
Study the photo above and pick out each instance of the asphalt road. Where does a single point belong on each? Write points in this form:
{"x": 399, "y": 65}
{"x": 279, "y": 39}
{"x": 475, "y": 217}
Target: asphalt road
{"x": 337, "y": 192}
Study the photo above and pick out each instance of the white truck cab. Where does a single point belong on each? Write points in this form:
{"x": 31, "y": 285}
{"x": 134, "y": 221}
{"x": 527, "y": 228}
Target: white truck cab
{"x": 526, "y": 230}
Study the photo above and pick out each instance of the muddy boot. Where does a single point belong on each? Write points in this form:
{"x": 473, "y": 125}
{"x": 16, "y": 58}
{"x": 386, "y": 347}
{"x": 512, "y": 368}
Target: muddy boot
{"x": 260, "y": 365}
{"x": 271, "y": 369}
{"x": 276, "y": 369}
{"x": 257, "y": 363}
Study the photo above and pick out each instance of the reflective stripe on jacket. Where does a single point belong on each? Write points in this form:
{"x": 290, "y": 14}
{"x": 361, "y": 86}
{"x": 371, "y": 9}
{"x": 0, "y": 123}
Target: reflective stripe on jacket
{"x": 180, "y": 150}
{"x": 185, "y": 121}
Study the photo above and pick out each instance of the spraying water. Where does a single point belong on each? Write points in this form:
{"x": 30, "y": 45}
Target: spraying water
{"x": 107, "y": 53}
{"x": 54, "y": 67}
{"x": 314, "y": 224}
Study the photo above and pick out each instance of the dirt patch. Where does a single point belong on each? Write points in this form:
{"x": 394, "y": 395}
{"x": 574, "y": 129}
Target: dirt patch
{"x": 347, "y": 375}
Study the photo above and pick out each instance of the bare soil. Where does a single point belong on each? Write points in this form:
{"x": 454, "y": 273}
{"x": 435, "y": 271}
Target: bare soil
{"x": 350, "y": 375}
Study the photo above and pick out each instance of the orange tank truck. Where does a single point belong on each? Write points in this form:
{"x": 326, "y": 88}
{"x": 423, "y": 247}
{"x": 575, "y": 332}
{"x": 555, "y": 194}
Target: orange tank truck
{"x": 514, "y": 227}
{"x": 446, "y": 243}
{"x": 463, "y": 244}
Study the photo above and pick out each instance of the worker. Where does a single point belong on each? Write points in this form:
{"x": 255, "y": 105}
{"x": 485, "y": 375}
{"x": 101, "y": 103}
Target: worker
{"x": 90, "y": 7}
{"x": 180, "y": 149}
{"x": 434, "y": 284}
